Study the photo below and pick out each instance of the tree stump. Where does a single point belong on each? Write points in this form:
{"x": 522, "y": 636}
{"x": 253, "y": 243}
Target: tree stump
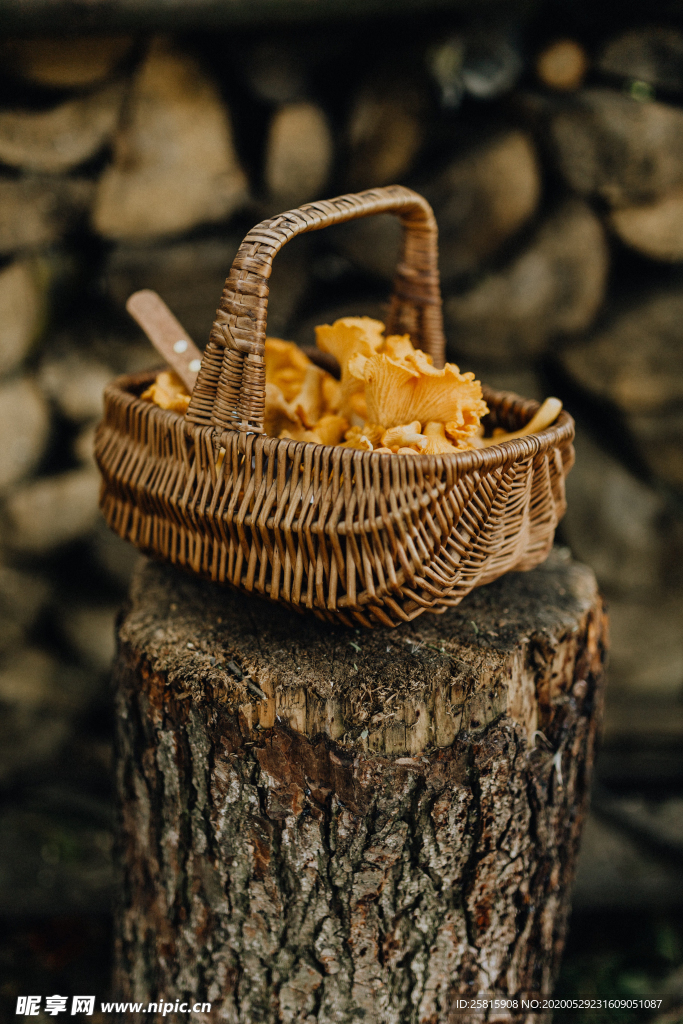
{"x": 320, "y": 824}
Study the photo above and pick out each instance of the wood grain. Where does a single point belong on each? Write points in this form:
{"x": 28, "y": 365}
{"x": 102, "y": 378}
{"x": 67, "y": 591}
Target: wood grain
{"x": 302, "y": 837}
{"x": 167, "y": 334}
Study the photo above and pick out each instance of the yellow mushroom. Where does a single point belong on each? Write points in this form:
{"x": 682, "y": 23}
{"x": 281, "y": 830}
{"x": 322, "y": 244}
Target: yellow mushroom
{"x": 389, "y": 390}
{"x": 352, "y": 390}
{"x": 356, "y": 365}
{"x": 438, "y": 446}
{"x": 405, "y": 435}
{"x": 432, "y": 441}
{"x": 331, "y": 393}
{"x": 372, "y": 432}
{"x": 349, "y": 335}
{"x": 466, "y": 427}
{"x": 279, "y": 414}
{"x": 168, "y": 392}
{"x": 355, "y": 408}
{"x": 546, "y": 415}
{"x": 359, "y": 441}
{"x": 310, "y": 401}
{"x": 437, "y": 443}
{"x": 286, "y": 366}
{"x": 344, "y": 339}
{"x": 447, "y": 395}
{"x": 435, "y": 429}
{"x": 398, "y": 346}
{"x": 422, "y": 362}
{"x": 400, "y": 391}
{"x": 330, "y": 429}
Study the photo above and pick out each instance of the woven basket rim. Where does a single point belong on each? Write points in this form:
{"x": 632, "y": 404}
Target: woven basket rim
{"x": 487, "y": 458}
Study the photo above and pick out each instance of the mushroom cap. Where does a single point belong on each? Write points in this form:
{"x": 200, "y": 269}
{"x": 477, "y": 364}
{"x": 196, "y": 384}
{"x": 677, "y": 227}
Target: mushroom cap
{"x": 467, "y": 424}
{"x": 354, "y": 407}
{"x": 360, "y": 442}
{"x": 390, "y": 391}
{"x": 352, "y": 389}
{"x": 349, "y": 339}
{"x": 279, "y": 413}
{"x": 356, "y": 366}
{"x": 286, "y": 366}
{"x": 372, "y": 431}
{"x": 330, "y": 429}
{"x": 424, "y": 363}
{"x": 404, "y": 436}
{"x": 434, "y": 429}
{"x": 398, "y": 346}
{"x": 349, "y": 335}
{"x": 310, "y": 400}
{"x": 168, "y": 392}
{"x": 383, "y": 381}
{"x": 399, "y": 391}
{"x": 438, "y": 446}
{"x": 331, "y": 393}
{"x": 448, "y": 396}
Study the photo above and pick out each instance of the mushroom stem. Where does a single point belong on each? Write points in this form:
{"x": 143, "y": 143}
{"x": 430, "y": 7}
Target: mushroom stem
{"x": 546, "y": 415}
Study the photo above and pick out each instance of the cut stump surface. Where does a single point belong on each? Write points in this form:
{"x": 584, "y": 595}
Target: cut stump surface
{"x": 320, "y": 824}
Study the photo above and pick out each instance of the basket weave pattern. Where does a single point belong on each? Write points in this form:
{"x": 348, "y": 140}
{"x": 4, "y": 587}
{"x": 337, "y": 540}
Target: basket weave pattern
{"x": 357, "y": 537}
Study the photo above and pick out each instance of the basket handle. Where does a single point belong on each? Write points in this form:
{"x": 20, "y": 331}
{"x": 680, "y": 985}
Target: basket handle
{"x": 230, "y": 388}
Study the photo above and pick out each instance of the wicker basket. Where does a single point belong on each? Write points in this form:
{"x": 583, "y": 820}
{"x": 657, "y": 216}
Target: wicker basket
{"x": 355, "y": 537}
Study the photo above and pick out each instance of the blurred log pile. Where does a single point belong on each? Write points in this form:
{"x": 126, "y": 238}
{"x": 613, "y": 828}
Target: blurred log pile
{"x": 555, "y": 168}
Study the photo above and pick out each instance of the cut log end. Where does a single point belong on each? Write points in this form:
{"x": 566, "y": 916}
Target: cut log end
{"x": 319, "y": 823}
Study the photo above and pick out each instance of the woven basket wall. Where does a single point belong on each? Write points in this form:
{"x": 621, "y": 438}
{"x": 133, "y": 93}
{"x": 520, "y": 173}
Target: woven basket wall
{"x": 356, "y": 537}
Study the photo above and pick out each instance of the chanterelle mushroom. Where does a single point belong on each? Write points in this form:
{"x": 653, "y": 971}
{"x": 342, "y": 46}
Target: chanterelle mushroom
{"x": 279, "y": 414}
{"x": 286, "y": 366}
{"x": 406, "y": 435}
{"x": 547, "y": 414}
{"x": 344, "y": 339}
{"x": 349, "y": 335}
{"x": 330, "y": 429}
{"x": 310, "y": 401}
{"x": 437, "y": 444}
{"x": 398, "y": 346}
{"x": 168, "y": 392}
{"x": 412, "y": 389}
{"x": 371, "y": 432}
{"x": 391, "y": 397}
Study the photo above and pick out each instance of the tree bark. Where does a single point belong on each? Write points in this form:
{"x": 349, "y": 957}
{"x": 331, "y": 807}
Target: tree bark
{"x": 319, "y": 824}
